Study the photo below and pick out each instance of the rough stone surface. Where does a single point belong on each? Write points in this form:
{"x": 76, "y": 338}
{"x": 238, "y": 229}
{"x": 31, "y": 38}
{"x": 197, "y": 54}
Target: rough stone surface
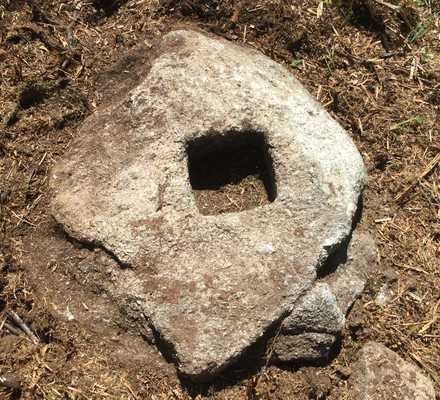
{"x": 381, "y": 374}
{"x": 309, "y": 332}
{"x": 309, "y": 346}
{"x": 317, "y": 311}
{"x": 348, "y": 281}
{"x": 207, "y": 285}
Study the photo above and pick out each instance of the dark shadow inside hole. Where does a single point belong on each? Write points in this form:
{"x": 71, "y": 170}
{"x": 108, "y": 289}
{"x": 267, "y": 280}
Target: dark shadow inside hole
{"x": 220, "y": 161}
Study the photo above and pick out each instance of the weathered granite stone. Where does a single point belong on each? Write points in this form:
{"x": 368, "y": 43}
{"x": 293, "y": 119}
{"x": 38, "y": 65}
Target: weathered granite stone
{"x": 379, "y": 374}
{"x": 348, "y": 281}
{"x": 207, "y": 285}
{"x": 317, "y": 311}
{"x": 307, "y": 347}
{"x": 320, "y": 314}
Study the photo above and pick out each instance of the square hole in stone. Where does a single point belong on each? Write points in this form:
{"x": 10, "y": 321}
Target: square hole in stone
{"x": 231, "y": 172}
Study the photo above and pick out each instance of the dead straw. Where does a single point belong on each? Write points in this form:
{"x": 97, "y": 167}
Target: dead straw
{"x": 419, "y": 178}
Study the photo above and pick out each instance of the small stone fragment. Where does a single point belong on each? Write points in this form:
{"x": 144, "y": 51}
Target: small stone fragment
{"x": 381, "y": 374}
{"x": 384, "y": 295}
{"x": 323, "y": 309}
{"x": 317, "y": 311}
{"x": 303, "y": 347}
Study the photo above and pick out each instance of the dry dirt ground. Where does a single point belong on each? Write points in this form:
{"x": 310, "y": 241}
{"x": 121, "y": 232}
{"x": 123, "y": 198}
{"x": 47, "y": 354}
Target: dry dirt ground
{"x": 373, "y": 64}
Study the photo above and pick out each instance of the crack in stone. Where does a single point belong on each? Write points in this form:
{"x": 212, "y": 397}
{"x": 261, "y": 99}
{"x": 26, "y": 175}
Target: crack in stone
{"x": 92, "y": 245}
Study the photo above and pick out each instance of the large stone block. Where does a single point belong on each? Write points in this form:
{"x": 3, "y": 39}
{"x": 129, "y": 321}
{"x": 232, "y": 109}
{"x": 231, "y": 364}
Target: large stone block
{"x": 209, "y": 285}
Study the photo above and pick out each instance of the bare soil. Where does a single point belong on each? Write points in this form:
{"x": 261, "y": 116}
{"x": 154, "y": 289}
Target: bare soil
{"x": 374, "y": 65}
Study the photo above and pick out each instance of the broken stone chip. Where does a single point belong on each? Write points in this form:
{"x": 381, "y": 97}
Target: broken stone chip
{"x": 209, "y": 285}
{"x": 314, "y": 325}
